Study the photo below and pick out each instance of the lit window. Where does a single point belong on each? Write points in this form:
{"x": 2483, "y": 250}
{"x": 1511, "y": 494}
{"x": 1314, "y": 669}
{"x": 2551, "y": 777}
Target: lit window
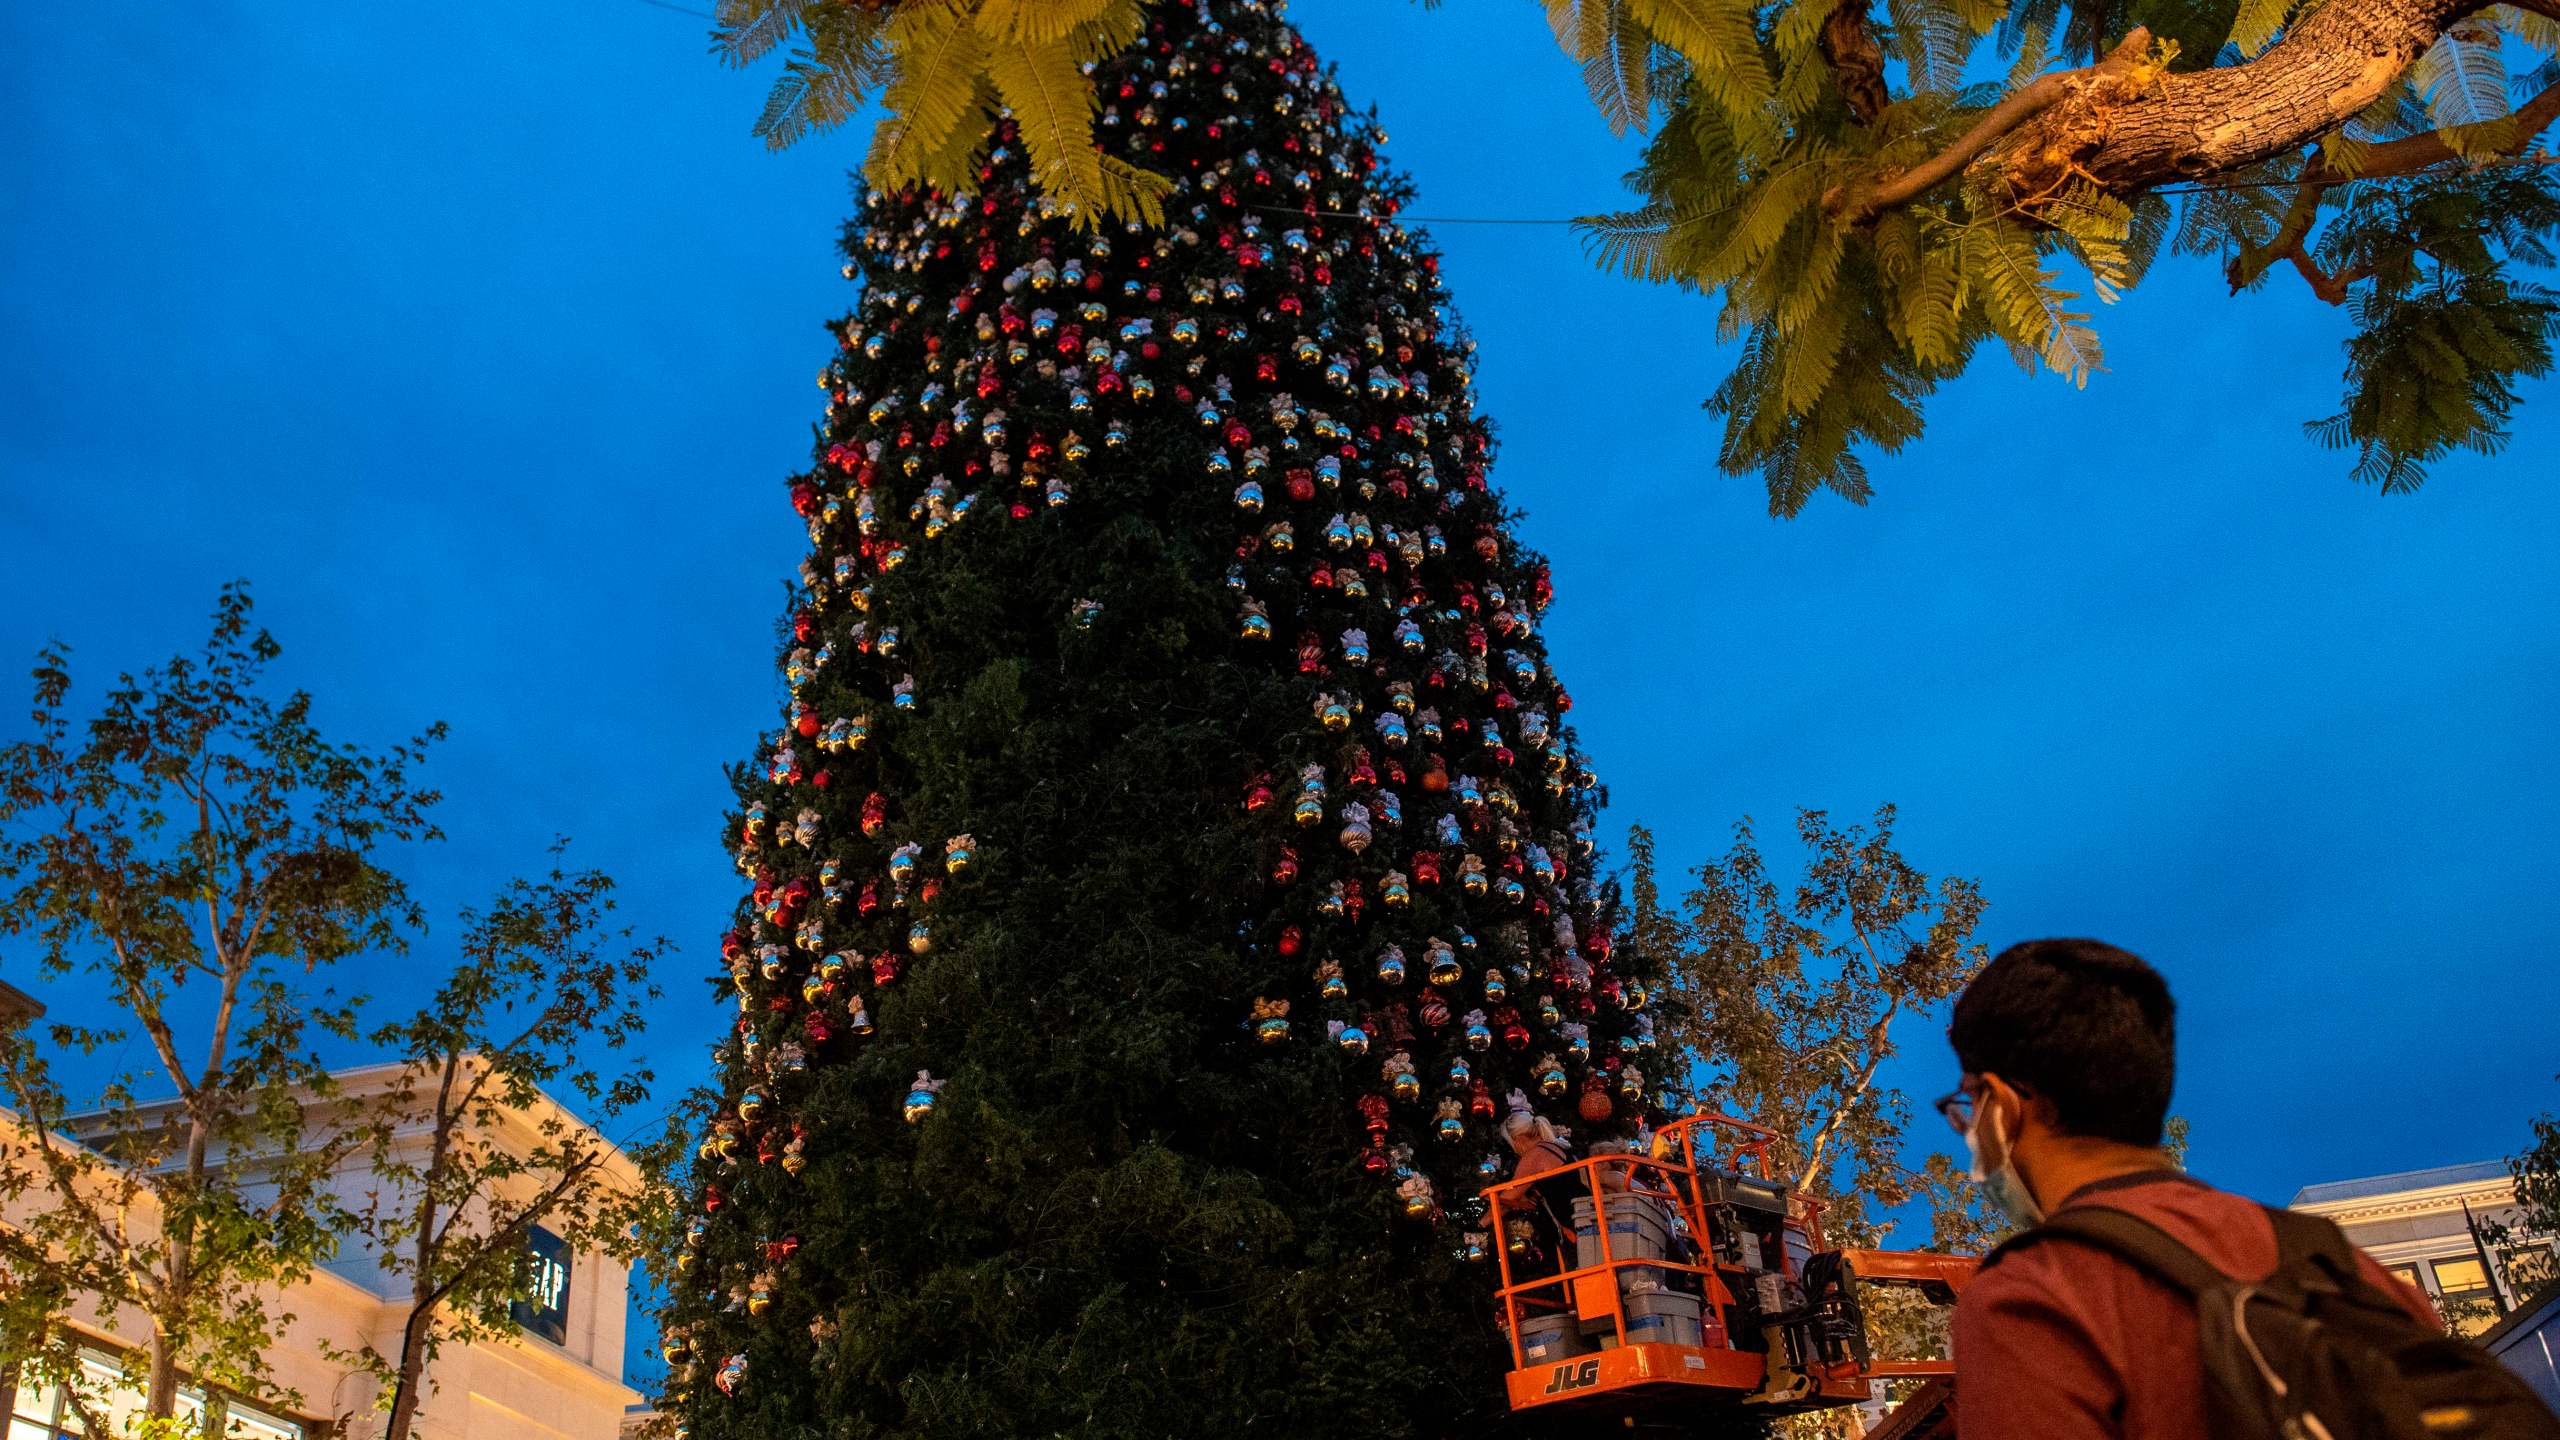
{"x": 243, "y": 1422}
{"x": 31, "y": 1417}
{"x": 2463, "y": 1295}
{"x": 42, "y": 1412}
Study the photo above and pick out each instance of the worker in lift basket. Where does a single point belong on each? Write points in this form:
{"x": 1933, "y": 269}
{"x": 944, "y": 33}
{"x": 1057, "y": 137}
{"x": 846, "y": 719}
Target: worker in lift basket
{"x": 1537, "y": 1148}
{"x": 2068, "y": 1049}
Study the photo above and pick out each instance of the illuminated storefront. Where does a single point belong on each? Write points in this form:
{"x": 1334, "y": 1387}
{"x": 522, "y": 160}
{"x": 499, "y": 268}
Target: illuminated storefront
{"x": 559, "y": 1377}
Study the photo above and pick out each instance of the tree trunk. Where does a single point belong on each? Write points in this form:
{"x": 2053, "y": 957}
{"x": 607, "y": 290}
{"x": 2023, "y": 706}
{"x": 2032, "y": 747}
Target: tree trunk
{"x": 160, "y": 1395}
{"x": 2130, "y": 137}
{"x": 177, "y": 1292}
{"x": 413, "y": 1364}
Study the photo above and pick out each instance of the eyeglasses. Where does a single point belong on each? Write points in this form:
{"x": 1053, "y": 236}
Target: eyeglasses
{"x": 1957, "y": 1108}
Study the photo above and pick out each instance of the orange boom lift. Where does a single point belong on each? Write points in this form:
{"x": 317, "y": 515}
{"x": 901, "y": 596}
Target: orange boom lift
{"x": 1689, "y": 1280}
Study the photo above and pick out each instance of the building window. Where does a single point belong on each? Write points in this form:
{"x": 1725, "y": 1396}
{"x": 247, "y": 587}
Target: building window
{"x": 2528, "y": 1266}
{"x": 2463, "y": 1295}
{"x": 42, "y": 1412}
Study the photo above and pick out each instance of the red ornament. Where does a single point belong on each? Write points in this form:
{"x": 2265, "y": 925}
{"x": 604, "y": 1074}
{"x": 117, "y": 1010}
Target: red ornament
{"x": 1595, "y": 1106}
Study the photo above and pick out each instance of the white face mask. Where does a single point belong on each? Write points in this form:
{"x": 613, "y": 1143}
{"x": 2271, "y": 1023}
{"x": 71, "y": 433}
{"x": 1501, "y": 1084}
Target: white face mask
{"x": 2008, "y": 1194}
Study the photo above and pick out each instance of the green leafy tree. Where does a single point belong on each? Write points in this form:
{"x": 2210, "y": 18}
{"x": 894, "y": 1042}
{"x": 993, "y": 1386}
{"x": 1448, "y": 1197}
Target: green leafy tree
{"x": 467, "y": 1158}
{"x": 191, "y": 853}
{"x": 2530, "y": 1236}
{"x": 1877, "y": 188}
{"x": 1786, "y": 1001}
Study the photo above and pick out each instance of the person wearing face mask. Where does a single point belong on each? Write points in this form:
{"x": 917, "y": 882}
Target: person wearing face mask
{"x": 2068, "y": 1053}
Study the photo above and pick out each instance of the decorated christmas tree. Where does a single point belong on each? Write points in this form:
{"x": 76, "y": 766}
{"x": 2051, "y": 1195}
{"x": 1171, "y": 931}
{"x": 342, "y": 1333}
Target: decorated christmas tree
{"x": 1171, "y": 864}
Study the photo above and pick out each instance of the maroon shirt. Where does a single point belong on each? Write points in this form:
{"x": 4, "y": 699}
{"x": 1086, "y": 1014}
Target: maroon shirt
{"x": 2061, "y": 1341}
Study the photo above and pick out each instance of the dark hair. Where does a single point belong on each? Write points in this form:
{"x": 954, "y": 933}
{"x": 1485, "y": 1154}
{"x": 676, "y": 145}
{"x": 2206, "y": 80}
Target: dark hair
{"x": 2080, "y": 1022}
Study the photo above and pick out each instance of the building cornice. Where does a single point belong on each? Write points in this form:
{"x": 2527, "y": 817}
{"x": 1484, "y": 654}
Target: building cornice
{"x": 521, "y": 1129}
{"x": 2479, "y": 1195}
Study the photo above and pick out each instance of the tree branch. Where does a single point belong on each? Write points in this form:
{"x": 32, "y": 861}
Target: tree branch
{"x": 504, "y": 1239}
{"x": 1859, "y": 201}
{"x": 2391, "y": 159}
{"x": 1857, "y": 62}
{"x": 1875, "y": 1053}
{"x": 2127, "y": 138}
{"x": 2329, "y": 68}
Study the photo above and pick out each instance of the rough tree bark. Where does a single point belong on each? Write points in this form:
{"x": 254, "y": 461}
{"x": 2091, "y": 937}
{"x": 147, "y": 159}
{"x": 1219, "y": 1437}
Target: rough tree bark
{"x": 2329, "y": 68}
{"x": 1857, "y": 61}
{"x": 2127, "y": 129}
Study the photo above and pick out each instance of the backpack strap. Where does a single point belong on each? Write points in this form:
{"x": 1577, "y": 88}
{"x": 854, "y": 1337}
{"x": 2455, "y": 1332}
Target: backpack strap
{"x": 2302, "y": 1237}
{"x": 2128, "y": 1237}
{"x": 2315, "y": 1258}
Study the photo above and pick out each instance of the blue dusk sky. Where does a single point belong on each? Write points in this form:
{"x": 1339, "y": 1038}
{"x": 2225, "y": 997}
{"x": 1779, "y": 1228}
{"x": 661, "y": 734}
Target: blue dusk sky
{"x": 482, "y": 340}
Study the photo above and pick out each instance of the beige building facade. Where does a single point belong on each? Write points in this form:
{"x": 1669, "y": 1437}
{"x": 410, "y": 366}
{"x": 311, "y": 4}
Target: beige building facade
{"x": 559, "y": 1376}
{"x": 2418, "y": 1224}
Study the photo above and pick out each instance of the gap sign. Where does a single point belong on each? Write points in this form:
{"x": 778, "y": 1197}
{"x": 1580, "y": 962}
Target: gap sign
{"x": 544, "y": 1307}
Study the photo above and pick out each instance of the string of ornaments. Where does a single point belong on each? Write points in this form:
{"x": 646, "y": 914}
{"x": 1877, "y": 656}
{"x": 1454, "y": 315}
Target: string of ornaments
{"x": 1429, "y": 923}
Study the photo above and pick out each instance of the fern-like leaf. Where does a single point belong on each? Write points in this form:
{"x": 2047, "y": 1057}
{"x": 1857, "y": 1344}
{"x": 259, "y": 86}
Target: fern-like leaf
{"x": 1619, "y": 72}
{"x": 2032, "y": 55}
{"x": 2096, "y": 225}
{"x": 1053, "y": 108}
{"x": 936, "y": 93}
{"x": 2024, "y": 304}
{"x": 1630, "y": 242}
{"x": 1933, "y": 41}
{"x": 2462, "y": 77}
{"x": 1040, "y": 22}
{"x": 1721, "y": 41}
{"x": 1130, "y": 191}
{"x": 746, "y": 31}
{"x": 2533, "y": 27}
{"x": 2258, "y": 23}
